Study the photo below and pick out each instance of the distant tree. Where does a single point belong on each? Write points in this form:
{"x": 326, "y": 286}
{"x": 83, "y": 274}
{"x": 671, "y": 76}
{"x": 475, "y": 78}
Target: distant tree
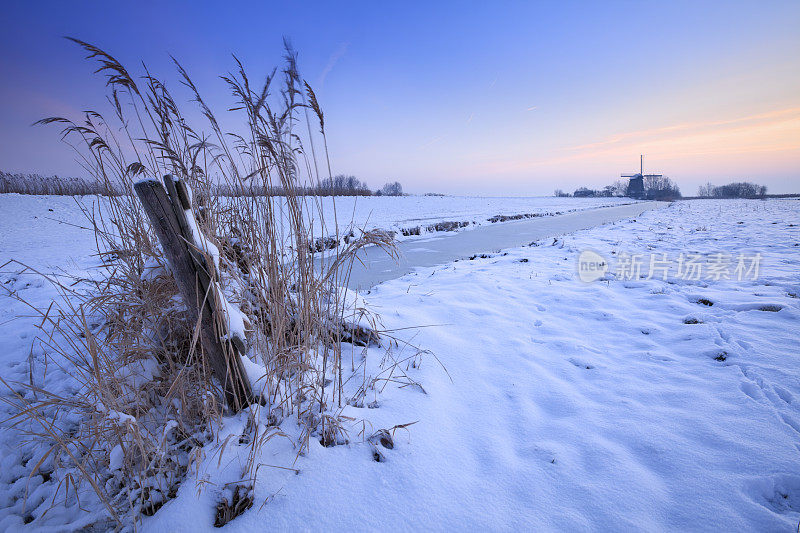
{"x": 561, "y": 194}
{"x": 392, "y": 189}
{"x": 343, "y": 185}
{"x": 607, "y": 192}
{"x": 584, "y": 192}
{"x": 706, "y": 191}
{"x": 742, "y": 189}
{"x": 660, "y": 188}
{"x": 620, "y": 187}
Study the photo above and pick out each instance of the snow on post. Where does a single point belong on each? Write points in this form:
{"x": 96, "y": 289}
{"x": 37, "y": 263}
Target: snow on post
{"x": 170, "y": 212}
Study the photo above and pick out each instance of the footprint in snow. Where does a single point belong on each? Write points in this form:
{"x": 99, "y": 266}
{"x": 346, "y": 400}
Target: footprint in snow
{"x": 779, "y": 493}
{"x": 791, "y": 422}
{"x": 752, "y": 390}
{"x": 783, "y": 394}
{"x": 580, "y": 364}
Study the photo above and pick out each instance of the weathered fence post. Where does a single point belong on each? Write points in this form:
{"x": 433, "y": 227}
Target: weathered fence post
{"x": 166, "y": 209}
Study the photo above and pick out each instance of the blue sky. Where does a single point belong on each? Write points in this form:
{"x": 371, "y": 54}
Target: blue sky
{"x": 513, "y": 98}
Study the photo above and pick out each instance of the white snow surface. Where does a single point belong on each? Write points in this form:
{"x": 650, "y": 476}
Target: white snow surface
{"x": 395, "y": 213}
{"x": 388, "y": 213}
{"x": 564, "y": 405}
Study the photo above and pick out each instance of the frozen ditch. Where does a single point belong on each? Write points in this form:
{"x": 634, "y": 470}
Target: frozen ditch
{"x": 376, "y": 266}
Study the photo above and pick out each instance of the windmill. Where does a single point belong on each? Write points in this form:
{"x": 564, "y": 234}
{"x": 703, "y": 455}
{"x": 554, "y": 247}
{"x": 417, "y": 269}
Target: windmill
{"x": 636, "y": 183}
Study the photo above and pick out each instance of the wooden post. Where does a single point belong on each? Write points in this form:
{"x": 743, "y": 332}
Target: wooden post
{"x": 193, "y": 276}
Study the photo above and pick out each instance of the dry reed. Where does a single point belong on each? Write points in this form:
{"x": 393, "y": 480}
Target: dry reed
{"x": 146, "y": 404}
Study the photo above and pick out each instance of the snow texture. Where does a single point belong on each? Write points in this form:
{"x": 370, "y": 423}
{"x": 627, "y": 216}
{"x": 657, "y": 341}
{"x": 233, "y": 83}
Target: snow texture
{"x": 620, "y": 404}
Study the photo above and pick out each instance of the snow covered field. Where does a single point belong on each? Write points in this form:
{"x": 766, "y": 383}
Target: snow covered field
{"x": 398, "y": 213}
{"x": 625, "y": 403}
{"x": 389, "y": 213}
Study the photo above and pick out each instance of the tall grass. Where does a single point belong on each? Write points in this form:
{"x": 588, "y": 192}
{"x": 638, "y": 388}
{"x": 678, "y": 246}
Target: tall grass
{"x": 52, "y": 185}
{"x": 322, "y": 189}
{"x": 146, "y": 401}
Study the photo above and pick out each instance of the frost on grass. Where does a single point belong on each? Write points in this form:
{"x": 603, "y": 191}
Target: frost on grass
{"x": 117, "y": 407}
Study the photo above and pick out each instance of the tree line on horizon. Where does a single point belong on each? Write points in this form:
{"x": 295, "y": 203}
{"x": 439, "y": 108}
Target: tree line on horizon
{"x": 663, "y": 188}
{"x": 655, "y": 188}
{"x": 36, "y": 184}
{"x": 739, "y": 189}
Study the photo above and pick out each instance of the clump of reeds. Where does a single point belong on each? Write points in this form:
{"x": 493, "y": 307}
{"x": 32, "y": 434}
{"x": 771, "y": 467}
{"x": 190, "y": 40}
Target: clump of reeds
{"x": 54, "y": 185}
{"x": 146, "y": 401}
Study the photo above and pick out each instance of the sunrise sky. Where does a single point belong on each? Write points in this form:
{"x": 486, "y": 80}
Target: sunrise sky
{"x": 500, "y": 98}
